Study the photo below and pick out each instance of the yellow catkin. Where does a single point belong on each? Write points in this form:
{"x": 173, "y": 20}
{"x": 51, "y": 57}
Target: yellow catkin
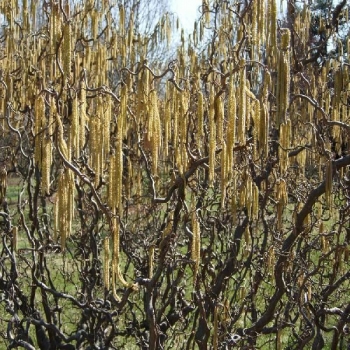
{"x": 94, "y": 24}
{"x": 324, "y": 244}
{"x": 39, "y": 125}
{"x": 61, "y": 141}
{"x": 74, "y": 129}
{"x": 231, "y": 124}
{"x": 261, "y": 23}
{"x": 263, "y": 129}
{"x": 224, "y": 178}
{"x": 82, "y": 118}
{"x": 106, "y": 262}
{"x": 150, "y": 261}
{"x": 46, "y": 165}
{"x": 285, "y": 133}
{"x": 205, "y": 10}
{"x": 219, "y": 117}
{"x": 241, "y": 126}
{"x": 122, "y": 122}
{"x": 283, "y": 78}
{"x": 155, "y": 132}
{"x": 247, "y": 241}
{"x": 256, "y": 131}
{"x": 70, "y": 199}
{"x": 131, "y": 31}
{"x": 271, "y": 258}
{"x": 183, "y": 131}
{"x": 175, "y": 129}
{"x": 253, "y": 30}
{"x": 61, "y": 203}
{"x": 200, "y": 116}
{"x": 3, "y": 183}
{"x": 167, "y": 128}
{"x": 168, "y": 227}
{"x": 271, "y": 32}
{"x": 116, "y": 253}
{"x": 128, "y": 185}
{"x": 100, "y": 130}
{"x": 212, "y": 139}
{"x": 67, "y": 56}
{"x": 282, "y": 200}
{"x": 94, "y": 145}
{"x": 121, "y": 19}
{"x": 255, "y": 205}
{"x": 118, "y": 174}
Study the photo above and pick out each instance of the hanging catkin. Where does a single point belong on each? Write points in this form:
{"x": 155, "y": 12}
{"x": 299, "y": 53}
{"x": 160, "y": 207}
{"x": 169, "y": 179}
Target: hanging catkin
{"x": 212, "y": 138}
{"x": 283, "y": 78}
{"x": 241, "y": 126}
{"x": 231, "y": 124}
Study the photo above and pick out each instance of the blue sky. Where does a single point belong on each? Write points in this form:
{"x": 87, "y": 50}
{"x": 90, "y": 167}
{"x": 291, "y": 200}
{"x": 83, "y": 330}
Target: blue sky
{"x": 187, "y": 10}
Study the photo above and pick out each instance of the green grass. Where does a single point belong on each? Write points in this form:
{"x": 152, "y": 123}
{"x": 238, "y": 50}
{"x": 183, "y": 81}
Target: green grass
{"x": 14, "y": 188}
{"x": 65, "y": 274}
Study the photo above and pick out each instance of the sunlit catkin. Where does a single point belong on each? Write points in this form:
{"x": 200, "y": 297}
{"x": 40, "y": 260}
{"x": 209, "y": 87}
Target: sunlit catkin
{"x": 3, "y": 183}
{"x": 116, "y": 255}
{"x": 46, "y": 165}
{"x": 241, "y": 126}
{"x": 261, "y": 23}
{"x": 62, "y": 226}
{"x": 283, "y": 78}
{"x": 224, "y": 177}
{"x": 271, "y": 31}
{"x": 219, "y": 116}
{"x": 67, "y": 56}
{"x": 212, "y": 138}
{"x": 95, "y": 145}
{"x": 150, "y": 261}
{"x": 118, "y": 175}
{"x": 155, "y": 131}
{"x": 205, "y": 11}
{"x": 285, "y": 133}
{"x": 39, "y": 126}
{"x": 183, "y": 122}
{"x": 282, "y": 200}
{"x": 74, "y": 129}
{"x": 231, "y": 124}
{"x": 263, "y": 129}
{"x": 60, "y": 138}
{"x": 200, "y": 118}
{"x": 167, "y": 127}
{"x": 82, "y": 118}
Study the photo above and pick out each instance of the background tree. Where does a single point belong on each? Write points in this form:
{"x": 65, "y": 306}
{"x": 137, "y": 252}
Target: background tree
{"x": 199, "y": 202}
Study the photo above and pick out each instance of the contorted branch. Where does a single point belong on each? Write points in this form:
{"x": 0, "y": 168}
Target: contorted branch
{"x": 288, "y": 243}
